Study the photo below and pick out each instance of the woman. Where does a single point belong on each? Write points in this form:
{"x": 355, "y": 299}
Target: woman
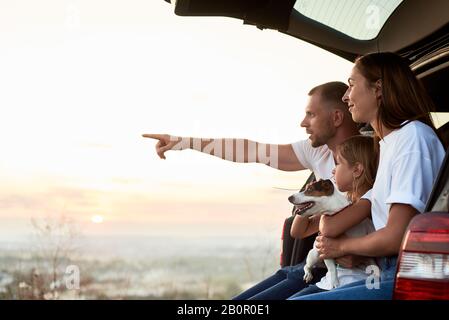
{"x": 384, "y": 92}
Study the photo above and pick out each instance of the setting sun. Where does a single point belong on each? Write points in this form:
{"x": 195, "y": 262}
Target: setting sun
{"x": 97, "y": 219}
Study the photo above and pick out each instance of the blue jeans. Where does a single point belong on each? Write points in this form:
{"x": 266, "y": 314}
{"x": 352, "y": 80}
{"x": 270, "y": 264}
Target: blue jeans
{"x": 281, "y": 285}
{"x": 359, "y": 290}
{"x": 306, "y": 291}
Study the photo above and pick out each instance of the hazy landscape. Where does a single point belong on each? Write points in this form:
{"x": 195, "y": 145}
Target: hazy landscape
{"x": 127, "y": 267}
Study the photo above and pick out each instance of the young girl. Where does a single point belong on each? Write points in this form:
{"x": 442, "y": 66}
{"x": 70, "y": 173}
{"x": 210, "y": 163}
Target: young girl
{"x": 356, "y": 164}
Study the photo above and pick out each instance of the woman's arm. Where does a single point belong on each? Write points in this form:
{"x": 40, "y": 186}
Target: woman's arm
{"x": 334, "y": 226}
{"x": 381, "y": 243}
{"x": 302, "y": 227}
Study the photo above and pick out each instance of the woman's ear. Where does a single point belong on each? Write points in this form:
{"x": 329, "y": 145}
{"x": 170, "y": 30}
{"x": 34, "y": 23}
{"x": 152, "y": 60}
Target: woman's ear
{"x": 378, "y": 89}
{"x": 358, "y": 170}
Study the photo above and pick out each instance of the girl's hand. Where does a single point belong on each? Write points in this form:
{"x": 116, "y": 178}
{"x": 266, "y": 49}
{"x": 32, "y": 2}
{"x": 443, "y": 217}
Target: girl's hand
{"x": 329, "y": 248}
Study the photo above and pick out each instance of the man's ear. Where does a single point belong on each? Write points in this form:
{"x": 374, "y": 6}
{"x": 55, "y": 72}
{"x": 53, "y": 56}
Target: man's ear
{"x": 338, "y": 117}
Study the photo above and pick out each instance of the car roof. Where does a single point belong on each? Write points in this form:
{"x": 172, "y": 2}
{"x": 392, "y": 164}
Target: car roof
{"x": 408, "y": 24}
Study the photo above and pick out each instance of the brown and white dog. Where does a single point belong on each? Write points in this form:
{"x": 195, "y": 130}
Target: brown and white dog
{"x": 322, "y": 198}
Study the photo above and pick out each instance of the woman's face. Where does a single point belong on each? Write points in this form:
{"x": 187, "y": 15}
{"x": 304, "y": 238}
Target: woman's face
{"x": 361, "y": 98}
{"x": 343, "y": 174}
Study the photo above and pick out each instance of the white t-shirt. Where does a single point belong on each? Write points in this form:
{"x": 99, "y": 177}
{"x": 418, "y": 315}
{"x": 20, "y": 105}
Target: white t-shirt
{"x": 320, "y": 159}
{"x": 410, "y": 159}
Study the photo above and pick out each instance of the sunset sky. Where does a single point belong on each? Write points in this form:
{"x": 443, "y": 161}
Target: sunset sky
{"x": 80, "y": 81}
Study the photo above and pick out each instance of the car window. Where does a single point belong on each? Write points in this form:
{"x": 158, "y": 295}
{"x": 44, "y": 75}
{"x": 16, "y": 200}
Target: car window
{"x": 360, "y": 19}
{"x": 440, "y": 118}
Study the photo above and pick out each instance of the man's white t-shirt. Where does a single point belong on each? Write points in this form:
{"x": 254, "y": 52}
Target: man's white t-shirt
{"x": 320, "y": 159}
{"x": 410, "y": 159}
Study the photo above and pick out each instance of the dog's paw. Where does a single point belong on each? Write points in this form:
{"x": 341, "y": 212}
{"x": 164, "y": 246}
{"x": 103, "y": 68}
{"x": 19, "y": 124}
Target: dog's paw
{"x": 335, "y": 284}
{"x": 308, "y": 276}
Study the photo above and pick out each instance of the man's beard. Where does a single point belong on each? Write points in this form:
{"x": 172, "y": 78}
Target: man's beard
{"x": 317, "y": 143}
{"x": 322, "y": 139}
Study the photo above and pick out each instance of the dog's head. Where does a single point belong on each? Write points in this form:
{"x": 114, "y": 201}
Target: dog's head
{"x": 319, "y": 197}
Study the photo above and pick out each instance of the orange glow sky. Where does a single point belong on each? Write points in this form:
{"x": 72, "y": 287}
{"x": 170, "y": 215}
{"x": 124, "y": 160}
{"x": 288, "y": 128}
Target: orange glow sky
{"x": 82, "y": 80}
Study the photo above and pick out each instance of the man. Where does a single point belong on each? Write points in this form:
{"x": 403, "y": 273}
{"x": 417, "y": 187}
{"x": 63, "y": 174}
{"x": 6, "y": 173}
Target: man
{"x": 328, "y": 123}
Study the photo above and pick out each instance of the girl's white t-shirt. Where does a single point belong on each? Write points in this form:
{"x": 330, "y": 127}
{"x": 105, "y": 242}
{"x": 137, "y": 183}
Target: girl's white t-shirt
{"x": 350, "y": 275}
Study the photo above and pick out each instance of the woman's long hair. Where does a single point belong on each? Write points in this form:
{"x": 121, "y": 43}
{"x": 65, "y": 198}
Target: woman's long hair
{"x": 404, "y": 98}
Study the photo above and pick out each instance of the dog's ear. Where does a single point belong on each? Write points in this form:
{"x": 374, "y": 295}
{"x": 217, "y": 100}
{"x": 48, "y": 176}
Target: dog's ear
{"x": 328, "y": 186}
{"x": 321, "y": 188}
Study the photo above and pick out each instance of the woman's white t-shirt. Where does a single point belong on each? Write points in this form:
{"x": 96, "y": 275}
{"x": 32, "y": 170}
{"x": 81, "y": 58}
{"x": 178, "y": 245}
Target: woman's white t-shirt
{"x": 409, "y": 161}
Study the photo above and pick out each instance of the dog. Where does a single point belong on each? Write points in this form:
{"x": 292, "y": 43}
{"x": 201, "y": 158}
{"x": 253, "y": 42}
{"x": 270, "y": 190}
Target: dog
{"x": 321, "y": 197}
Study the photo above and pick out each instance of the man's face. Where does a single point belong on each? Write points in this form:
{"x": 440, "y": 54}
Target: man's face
{"x": 318, "y": 121}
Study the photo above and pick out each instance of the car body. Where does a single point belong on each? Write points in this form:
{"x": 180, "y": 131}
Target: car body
{"x": 417, "y": 30}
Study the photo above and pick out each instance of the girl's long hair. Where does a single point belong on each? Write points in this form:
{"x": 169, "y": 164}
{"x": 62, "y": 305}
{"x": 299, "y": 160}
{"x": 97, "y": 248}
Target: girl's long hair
{"x": 404, "y": 98}
{"x": 360, "y": 149}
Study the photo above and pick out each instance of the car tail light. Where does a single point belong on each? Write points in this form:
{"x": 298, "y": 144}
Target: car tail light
{"x": 423, "y": 267}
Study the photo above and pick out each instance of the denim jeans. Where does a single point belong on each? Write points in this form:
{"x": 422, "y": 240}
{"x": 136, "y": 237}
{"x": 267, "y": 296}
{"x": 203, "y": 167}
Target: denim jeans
{"x": 281, "y": 285}
{"x": 306, "y": 291}
{"x": 359, "y": 290}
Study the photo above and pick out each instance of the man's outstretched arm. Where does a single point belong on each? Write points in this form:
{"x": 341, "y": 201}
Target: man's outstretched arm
{"x": 278, "y": 156}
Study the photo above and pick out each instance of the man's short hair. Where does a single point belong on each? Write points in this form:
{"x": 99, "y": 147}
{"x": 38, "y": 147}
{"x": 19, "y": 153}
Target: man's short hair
{"x": 332, "y": 92}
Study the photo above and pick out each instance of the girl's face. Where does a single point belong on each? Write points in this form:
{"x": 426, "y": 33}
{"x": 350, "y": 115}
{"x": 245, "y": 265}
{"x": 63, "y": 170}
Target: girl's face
{"x": 361, "y": 98}
{"x": 344, "y": 174}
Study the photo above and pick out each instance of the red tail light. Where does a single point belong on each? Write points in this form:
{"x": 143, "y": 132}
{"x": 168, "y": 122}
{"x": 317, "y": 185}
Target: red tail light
{"x": 423, "y": 267}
